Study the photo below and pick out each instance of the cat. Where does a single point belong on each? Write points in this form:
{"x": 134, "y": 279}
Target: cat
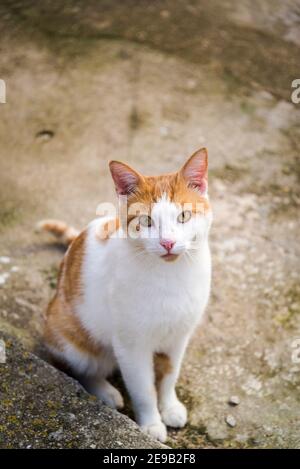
{"x": 130, "y": 293}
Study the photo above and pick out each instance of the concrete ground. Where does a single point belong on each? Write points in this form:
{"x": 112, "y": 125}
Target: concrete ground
{"x": 149, "y": 83}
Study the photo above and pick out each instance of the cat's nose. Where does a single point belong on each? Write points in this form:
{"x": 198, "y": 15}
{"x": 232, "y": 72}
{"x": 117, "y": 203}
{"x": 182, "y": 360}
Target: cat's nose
{"x": 167, "y": 244}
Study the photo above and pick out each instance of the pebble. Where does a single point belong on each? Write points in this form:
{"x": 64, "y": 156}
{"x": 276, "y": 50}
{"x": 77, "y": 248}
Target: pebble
{"x": 2, "y": 346}
{"x": 268, "y": 430}
{"x": 4, "y": 260}
{"x": 230, "y": 420}
{"x": 3, "y": 278}
{"x": 216, "y": 432}
{"x": 234, "y": 400}
{"x": 57, "y": 436}
{"x": 69, "y": 417}
{"x": 15, "y": 268}
{"x": 165, "y": 14}
{"x": 191, "y": 84}
{"x": 164, "y": 131}
{"x": 25, "y": 304}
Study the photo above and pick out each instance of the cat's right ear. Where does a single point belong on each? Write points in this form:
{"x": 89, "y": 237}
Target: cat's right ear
{"x": 125, "y": 178}
{"x": 195, "y": 171}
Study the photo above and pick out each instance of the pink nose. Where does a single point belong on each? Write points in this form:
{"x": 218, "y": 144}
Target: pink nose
{"x": 167, "y": 244}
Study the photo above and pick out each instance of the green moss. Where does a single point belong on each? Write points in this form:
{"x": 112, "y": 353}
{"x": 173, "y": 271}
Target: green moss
{"x": 7, "y": 403}
{"x": 13, "y": 419}
{"x": 51, "y": 275}
{"x": 286, "y": 319}
{"x": 229, "y": 173}
{"x": 247, "y": 107}
{"x": 190, "y": 436}
{"x": 23, "y": 335}
{"x": 8, "y": 216}
{"x": 134, "y": 119}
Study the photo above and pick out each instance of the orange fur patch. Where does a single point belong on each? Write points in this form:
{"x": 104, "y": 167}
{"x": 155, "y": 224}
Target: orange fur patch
{"x": 108, "y": 229}
{"x": 162, "y": 366}
{"x": 62, "y": 323}
{"x": 60, "y": 229}
{"x": 152, "y": 188}
{"x": 72, "y": 285}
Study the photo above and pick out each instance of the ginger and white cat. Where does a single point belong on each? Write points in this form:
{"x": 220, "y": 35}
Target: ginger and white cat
{"x": 130, "y": 294}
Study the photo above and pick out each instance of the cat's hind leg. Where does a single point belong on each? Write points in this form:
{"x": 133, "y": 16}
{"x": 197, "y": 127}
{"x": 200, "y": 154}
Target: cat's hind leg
{"x": 94, "y": 379}
{"x": 92, "y": 370}
{"x": 103, "y": 390}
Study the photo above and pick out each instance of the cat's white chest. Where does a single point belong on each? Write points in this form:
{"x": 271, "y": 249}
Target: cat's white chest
{"x": 160, "y": 301}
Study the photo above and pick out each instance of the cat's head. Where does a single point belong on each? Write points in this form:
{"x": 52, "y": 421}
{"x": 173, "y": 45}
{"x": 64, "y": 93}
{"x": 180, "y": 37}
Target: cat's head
{"x": 167, "y": 215}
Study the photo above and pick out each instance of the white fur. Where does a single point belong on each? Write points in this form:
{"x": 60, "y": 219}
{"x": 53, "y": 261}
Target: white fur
{"x": 135, "y": 304}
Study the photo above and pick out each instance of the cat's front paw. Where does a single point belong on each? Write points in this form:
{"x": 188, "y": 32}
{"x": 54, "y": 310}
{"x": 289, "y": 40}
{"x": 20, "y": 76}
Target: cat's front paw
{"x": 156, "y": 430}
{"x": 175, "y": 415}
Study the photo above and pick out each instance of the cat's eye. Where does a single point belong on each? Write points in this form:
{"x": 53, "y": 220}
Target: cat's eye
{"x": 184, "y": 216}
{"x": 145, "y": 220}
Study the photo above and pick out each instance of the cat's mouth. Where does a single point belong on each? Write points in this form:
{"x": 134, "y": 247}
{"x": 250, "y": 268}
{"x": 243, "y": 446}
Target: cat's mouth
{"x": 169, "y": 257}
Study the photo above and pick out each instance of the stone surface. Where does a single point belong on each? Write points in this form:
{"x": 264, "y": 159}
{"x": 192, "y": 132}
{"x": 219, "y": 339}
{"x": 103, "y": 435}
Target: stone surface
{"x": 43, "y": 408}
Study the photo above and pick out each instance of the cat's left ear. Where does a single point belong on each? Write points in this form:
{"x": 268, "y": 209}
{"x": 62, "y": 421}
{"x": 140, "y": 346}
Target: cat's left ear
{"x": 195, "y": 171}
{"x": 125, "y": 178}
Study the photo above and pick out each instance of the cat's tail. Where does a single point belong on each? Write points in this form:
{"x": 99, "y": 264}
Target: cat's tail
{"x": 65, "y": 233}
